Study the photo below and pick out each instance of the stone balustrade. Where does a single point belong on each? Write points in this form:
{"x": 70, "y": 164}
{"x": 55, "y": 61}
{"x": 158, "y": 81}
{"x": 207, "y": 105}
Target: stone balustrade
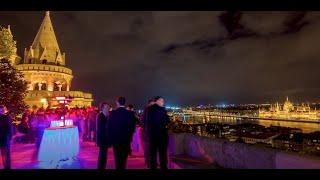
{"x": 73, "y": 94}
{"x": 43, "y": 67}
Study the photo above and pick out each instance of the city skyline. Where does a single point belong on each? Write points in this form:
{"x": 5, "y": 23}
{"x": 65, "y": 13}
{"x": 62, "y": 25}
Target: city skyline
{"x": 187, "y": 57}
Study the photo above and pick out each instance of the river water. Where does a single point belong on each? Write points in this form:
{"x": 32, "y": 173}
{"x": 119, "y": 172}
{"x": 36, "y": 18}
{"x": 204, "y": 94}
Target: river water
{"x": 306, "y": 127}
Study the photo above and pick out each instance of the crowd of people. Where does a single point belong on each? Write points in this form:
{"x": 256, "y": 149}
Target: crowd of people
{"x": 33, "y": 122}
{"x": 108, "y": 127}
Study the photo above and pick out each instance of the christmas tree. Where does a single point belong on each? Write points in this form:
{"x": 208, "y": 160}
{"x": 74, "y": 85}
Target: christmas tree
{"x": 7, "y": 44}
{"x": 13, "y": 87}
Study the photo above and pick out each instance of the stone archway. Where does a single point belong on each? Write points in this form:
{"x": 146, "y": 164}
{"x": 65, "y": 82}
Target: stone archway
{"x": 40, "y": 86}
{"x": 60, "y": 86}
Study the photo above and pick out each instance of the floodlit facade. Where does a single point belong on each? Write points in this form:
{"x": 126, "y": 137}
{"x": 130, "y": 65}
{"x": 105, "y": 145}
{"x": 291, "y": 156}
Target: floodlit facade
{"x": 289, "y": 111}
{"x": 44, "y": 68}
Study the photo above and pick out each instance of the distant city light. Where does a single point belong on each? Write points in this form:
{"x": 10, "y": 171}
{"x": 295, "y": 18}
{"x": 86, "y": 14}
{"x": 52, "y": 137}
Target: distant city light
{"x": 172, "y": 107}
{"x": 221, "y": 105}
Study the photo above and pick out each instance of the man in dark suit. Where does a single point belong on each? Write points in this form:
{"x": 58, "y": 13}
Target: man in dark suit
{"x": 102, "y": 141}
{"x": 144, "y": 134}
{"x": 5, "y": 137}
{"x": 156, "y": 123}
{"x": 120, "y": 128}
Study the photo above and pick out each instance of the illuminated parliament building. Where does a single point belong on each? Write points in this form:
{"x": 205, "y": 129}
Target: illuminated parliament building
{"x": 44, "y": 68}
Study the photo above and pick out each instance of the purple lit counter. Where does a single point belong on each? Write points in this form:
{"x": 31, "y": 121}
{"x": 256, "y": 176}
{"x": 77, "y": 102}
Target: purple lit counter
{"x": 59, "y": 144}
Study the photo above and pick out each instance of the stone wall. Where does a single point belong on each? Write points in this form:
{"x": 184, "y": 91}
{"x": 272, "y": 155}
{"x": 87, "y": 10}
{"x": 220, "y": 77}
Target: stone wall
{"x": 237, "y": 155}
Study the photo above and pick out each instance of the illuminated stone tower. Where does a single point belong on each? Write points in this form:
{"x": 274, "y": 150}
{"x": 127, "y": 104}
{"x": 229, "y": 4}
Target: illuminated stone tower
{"x": 287, "y": 106}
{"x": 44, "y": 67}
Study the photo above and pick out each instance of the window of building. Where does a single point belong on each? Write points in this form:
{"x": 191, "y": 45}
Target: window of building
{"x": 56, "y": 87}
{"x": 44, "y": 87}
{"x": 64, "y": 87}
{"x": 44, "y": 61}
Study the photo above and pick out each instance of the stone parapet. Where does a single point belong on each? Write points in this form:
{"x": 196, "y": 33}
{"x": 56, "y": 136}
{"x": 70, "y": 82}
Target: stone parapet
{"x": 238, "y": 155}
{"x": 43, "y": 67}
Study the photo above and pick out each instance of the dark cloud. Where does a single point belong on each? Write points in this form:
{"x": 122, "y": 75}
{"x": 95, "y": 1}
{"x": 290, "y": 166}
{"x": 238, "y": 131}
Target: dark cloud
{"x": 188, "y": 57}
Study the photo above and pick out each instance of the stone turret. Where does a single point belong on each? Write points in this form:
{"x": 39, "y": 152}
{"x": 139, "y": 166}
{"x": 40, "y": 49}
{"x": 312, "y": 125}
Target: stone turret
{"x": 45, "y": 70}
{"x": 45, "y": 48}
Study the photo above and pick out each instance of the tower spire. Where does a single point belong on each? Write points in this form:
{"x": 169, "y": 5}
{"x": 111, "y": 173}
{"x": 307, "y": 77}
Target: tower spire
{"x": 45, "y": 44}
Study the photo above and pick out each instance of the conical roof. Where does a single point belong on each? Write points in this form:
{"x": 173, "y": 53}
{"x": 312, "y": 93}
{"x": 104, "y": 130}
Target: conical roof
{"x": 46, "y": 37}
{"x": 45, "y": 45}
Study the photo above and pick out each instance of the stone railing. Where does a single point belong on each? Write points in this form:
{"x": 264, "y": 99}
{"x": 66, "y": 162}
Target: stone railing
{"x": 43, "y": 67}
{"x": 237, "y": 155}
{"x": 73, "y": 94}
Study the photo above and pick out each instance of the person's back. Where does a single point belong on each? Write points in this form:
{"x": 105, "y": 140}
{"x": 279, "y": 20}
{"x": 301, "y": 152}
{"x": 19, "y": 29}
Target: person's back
{"x": 122, "y": 124}
{"x": 156, "y": 121}
{"x": 144, "y": 134}
{"x": 5, "y": 137}
{"x": 5, "y": 128}
{"x": 120, "y": 128}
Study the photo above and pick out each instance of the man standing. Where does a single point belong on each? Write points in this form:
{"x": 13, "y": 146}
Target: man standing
{"x": 5, "y": 137}
{"x": 156, "y": 123}
{"x": 92, "y": 116}
{"x": 102, "y": 135}
{"x": 144, "y": 134}
{"x": 134, "y": 138}
{"x": 120, "y": 128}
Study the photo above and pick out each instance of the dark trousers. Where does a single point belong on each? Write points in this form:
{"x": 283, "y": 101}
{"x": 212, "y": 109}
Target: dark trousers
{"x": 145, "y": 146}
{"x": 158, "y": 145}
{"x": 121, "y": 153}
{"x": 5, "y": 155}
{"x": 102, "y": 159}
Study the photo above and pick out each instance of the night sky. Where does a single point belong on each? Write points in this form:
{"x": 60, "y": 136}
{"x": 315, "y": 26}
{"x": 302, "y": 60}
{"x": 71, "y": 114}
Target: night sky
{"x": 190, "y": 58}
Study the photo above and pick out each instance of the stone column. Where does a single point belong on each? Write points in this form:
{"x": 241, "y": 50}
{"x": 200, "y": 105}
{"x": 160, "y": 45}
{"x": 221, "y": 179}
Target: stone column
{"x": 68, "y": 87}
{"x": 39, "y": 84}
{"x": 59, "y": 86}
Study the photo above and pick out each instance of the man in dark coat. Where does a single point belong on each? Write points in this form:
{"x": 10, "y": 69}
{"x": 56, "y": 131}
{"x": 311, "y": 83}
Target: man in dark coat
{"x": 120, "y": 128}
{"x": 5, "y": 137}
{"x": 156, "y": 123}
{"x": 102, "y": 135}
{"x": 144, "y": 134}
